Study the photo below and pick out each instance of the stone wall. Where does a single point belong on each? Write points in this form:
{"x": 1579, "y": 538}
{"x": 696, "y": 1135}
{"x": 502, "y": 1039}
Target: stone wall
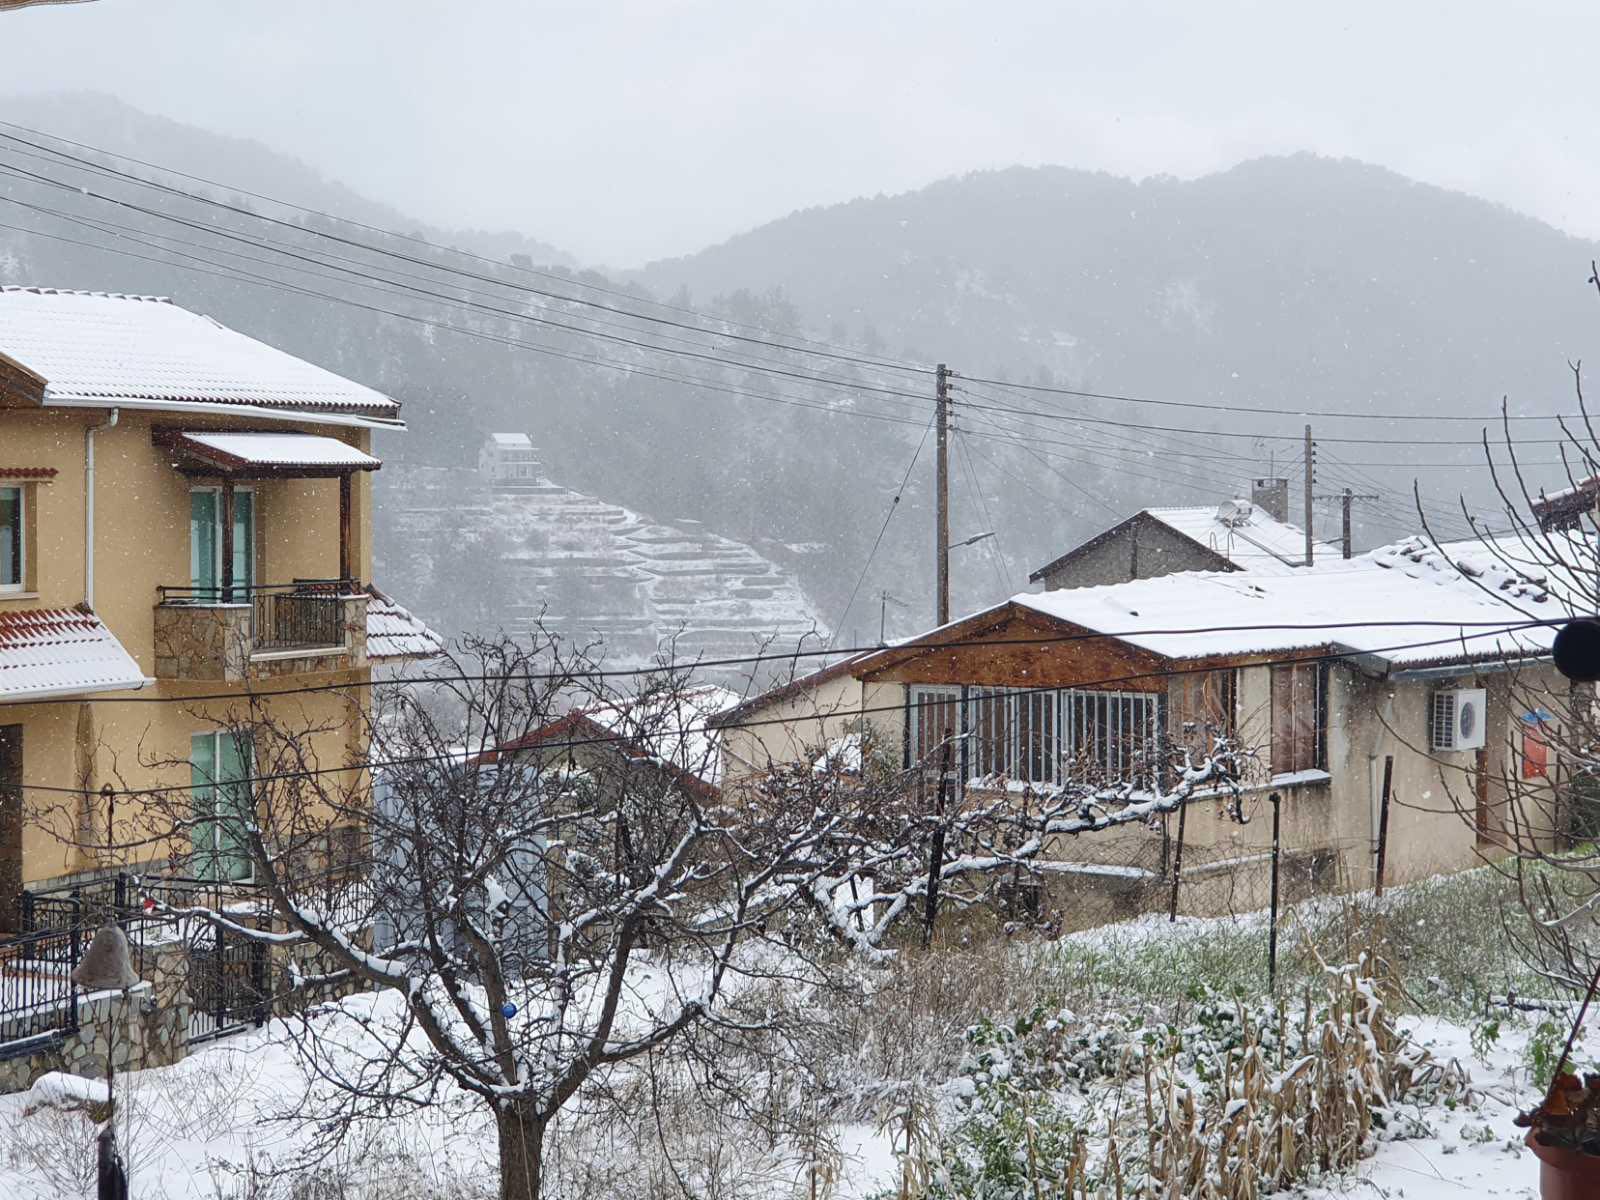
{"x": 132, "y": 1029}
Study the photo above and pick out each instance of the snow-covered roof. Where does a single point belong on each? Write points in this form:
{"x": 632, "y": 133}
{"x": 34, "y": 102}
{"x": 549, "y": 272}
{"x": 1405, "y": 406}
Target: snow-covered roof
{"x": 1409, "y": 606}
{"x": 512, "y": 441}
{"x": 1236, "y": 530}
{"x": 1246, "y": 536}
{"x": 278, "y": 450}
{"x": 103, "y": 347}
{"x": 674, "y": 730}
{"x": 392, "y": 632}
{"x": 61, "y": 652}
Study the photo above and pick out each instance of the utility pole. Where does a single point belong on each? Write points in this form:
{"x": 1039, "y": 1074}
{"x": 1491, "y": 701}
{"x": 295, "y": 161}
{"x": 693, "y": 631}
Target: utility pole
{"x": 1311, "y": 478}
{"x": 942, "y": 506}
{"x": 1346, "y": 499}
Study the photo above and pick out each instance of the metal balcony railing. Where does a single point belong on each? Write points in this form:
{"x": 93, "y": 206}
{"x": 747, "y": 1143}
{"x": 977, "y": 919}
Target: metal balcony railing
{"x": 307, "y": 614}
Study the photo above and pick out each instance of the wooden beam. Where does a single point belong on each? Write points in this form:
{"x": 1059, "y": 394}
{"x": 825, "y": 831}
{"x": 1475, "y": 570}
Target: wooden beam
{"x": 345, "y": 549}
{"x": 227, "y": 541}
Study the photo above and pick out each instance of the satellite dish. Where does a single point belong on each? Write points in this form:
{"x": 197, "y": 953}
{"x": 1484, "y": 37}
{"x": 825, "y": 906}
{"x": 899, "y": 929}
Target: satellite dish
{"x": 1577, "y": 650}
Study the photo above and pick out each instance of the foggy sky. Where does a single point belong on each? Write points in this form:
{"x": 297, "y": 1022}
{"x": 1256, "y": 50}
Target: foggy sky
{"x": 624, "y": 130}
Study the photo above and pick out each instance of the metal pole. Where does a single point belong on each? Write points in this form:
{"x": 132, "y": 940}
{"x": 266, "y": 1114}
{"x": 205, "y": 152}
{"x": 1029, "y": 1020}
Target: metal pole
{"x": 942, "y": 493}
{"x": 1311, "y": 478}
{"x": 1272, "y": 928}
{"x": 1177, "y": 865}
{"x": 1383, "y": 820}
{"x": 1347, "y": 498}
{"x": 936, "y": 851}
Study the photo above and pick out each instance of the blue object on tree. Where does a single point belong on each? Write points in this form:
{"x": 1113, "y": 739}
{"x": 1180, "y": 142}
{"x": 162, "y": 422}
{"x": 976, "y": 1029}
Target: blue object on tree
{"x": 508, "y": 1010}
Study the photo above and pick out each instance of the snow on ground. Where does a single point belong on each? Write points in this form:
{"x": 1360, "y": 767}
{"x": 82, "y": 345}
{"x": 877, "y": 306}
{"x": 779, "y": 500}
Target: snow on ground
{"x": 200, "y": 1129}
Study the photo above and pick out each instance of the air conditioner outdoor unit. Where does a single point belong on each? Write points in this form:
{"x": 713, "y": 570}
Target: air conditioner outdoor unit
{"x": 1456, "y": 721}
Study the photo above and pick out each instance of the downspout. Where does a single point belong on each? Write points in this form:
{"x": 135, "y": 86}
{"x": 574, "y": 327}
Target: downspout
{"x": 88, "y": 505}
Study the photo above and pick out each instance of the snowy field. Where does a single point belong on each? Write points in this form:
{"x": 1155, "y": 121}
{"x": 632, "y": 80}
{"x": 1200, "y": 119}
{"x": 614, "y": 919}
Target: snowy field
{"x": 221, "y": 1123}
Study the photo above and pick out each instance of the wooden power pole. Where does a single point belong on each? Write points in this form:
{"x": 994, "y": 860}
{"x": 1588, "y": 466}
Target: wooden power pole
{"x": 1346, "y": 499}
{"x": 942, "y": 517}
{"x": 1311, "y": 479}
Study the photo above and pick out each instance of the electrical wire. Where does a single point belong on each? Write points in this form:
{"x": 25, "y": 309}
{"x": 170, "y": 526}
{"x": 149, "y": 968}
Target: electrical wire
{"x": 894, "y": 506}
{"x": 717, "y": 729}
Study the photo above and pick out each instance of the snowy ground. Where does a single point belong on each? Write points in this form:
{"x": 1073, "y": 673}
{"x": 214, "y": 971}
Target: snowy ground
{"x": 213, "y": 1125}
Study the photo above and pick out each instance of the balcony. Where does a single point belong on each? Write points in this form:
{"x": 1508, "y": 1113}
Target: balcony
{"x": 241, "y": 633}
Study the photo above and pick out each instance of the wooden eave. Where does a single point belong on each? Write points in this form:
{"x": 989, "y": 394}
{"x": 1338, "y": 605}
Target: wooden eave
{"x": 962, "y": 642}
{"x": 1142, "y": 517}
{"x": 19, "y": 386}
{"x": 205, "y": 462}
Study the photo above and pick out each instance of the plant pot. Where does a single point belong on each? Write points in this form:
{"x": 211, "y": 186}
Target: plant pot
{"x": 1565, "y": 1174}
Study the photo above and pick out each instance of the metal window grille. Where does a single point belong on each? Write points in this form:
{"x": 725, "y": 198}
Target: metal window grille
{"x": 1044, "y": 736}
{"x": 934, "y": 711}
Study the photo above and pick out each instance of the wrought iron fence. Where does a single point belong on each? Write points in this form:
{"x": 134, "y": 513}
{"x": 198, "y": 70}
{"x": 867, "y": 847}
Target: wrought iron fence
{"x": 228, "y": 984}
{"x": 37, "y": 996}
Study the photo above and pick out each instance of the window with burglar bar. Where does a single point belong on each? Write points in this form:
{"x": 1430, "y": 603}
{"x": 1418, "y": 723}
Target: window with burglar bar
{"x": 1038, "y": 736}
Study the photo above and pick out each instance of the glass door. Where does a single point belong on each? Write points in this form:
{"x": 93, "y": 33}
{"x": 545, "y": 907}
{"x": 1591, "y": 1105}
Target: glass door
{"x": 220, "y": 765}
{"x": 205, "y": 545}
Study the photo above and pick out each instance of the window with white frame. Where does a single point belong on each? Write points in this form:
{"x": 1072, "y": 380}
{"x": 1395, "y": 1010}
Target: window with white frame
{"x": 13, "y": 538}
{"x": 1038, "y": 736}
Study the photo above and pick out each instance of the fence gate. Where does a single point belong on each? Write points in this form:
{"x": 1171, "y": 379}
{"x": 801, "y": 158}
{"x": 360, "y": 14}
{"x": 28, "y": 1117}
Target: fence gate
{"x": 228, "y": 984}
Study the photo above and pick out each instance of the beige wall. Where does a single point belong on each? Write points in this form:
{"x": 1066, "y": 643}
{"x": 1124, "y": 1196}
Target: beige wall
{"x": 142, "y": 542}
{"x": 799, "y": 728}
{"x": 1334, "y": 820}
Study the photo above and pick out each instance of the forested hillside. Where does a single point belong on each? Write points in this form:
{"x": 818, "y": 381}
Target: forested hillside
{"x": 1292, "y": 283}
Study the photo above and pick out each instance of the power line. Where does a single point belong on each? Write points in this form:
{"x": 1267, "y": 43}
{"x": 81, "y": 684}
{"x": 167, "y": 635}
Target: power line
{"x": 1342, "y": 414}
{"x": 71, "y": 160}
{"x": 682, "y": 731}
{"x": 763, "y": 366}
{"x": 1002, "y": 572}
{"x": 894, "y": 506}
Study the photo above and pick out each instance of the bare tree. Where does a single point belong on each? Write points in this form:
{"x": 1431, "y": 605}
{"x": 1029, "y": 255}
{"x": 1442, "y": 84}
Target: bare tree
{"x": 555, "y": 884}
{"x": 900, "y": 844}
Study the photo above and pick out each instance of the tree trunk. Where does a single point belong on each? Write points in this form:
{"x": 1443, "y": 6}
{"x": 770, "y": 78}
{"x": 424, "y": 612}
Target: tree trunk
{"x": 521, "y": 1151}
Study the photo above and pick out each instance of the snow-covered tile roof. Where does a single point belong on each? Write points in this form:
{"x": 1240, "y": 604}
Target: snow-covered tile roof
{"x": 61, "y": 652}
{"x": 392, "y": 632}
{"x": 1246, "y": 536}
{"x": 279, "y": 450}
{"x": 673, "y": 730}
{"x": 90, "y": 346}
{"x": 1406, "y": 604}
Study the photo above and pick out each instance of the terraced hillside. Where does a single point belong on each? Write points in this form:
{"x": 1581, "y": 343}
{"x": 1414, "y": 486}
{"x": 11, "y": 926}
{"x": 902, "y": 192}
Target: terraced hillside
{"x": 508, "y": 554}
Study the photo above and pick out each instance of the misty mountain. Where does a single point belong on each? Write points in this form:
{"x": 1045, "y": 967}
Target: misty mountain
{"x": 1295, "y": 280}
{"x": 245, "y": 165}
{"x": 1287, "y": 283}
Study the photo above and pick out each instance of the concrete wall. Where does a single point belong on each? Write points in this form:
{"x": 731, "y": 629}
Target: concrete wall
{"x": 142, "y": 541}
{"x": 799, "y": 728}
{"x": 1143, "y": 550}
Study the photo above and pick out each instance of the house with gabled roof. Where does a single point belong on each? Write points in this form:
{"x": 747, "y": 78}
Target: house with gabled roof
{"x": 1439, "y": 663}
{"x": 185, "y": 515}
{"x": 1236, "y": 535}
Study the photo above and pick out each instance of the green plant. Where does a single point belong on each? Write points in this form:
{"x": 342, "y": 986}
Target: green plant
{"x": 1484, "y": 1036}
{"x": 1544, "y": 1047}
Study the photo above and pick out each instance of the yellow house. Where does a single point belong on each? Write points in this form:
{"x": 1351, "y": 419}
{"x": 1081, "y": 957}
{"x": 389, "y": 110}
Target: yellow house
{"x": 185, "y": 518}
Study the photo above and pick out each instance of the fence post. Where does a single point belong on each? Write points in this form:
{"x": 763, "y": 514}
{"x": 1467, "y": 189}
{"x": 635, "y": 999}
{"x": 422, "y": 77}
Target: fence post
{"x": 1177, "y": 864}
{"x": 258, "y": 982}
{"x": 72, "y": 990}
{"x": 1272, "y": 927}
{"x": 28, "y": 917}
{"x": 1383, "y": 821}
{"x": 936, "y": 851}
